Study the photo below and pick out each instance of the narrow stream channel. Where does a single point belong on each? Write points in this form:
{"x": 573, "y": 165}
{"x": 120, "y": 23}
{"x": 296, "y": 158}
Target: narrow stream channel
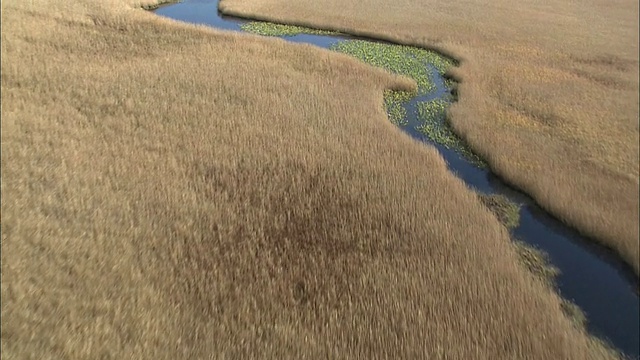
{"x": 591, "y": 276}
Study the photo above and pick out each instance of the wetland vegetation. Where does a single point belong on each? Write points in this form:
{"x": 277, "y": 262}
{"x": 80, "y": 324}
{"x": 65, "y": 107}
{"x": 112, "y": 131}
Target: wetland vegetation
{"x": 413, "y": 62}
{"x": 417, "y": 64}
{"x": 137, "y": 223}
{"x": 544, "y": 97}
{"x": 271, "y": 29}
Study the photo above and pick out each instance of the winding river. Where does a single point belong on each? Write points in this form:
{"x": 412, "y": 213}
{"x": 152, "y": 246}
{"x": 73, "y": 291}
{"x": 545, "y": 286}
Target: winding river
{"x": 590, "y": 276}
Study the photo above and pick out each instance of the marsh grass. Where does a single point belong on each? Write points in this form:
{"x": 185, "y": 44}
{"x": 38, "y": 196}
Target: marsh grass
{"x": 416, "y": 64}
{"x": 548, "y": 94}
{"x": 402, "y": 60}
{"x": 537, "y": 262}
{"x": 154, "y": 5}
{"x": 574, "y": 313}
{"x": 173, "y": 192}
{"x": 412, "y": 62}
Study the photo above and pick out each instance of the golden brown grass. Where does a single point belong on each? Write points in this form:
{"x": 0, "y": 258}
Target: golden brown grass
{"x": 549, "y": 92}
{"x": 172, "y": 192}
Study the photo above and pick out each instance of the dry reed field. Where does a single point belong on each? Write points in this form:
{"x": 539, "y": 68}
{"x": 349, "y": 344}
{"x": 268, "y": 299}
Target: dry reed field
{"x": 174, "y": 192}
{"x": 549, "y": 93}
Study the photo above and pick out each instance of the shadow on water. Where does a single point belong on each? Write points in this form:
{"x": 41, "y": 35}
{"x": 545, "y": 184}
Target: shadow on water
{"x": 591, "y": 276}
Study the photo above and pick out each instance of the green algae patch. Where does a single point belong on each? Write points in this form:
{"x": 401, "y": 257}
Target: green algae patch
{"x": 398, "y": 59}
{"x": 432, "y": 115}
{"x": 507, "y": 211}
{"x": 272, "y": 29}
{"x": 393, "y": 102}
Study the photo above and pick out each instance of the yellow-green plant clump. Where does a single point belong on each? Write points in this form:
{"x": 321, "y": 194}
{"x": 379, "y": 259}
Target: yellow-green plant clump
{"x": 399, "y": 59}
{"x": 393, "y": 101}
{"x": 272, "y": 29}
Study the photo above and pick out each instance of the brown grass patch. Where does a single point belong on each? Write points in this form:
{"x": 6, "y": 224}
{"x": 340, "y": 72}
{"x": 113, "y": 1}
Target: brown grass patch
{"x": 569, "y": 71}
{"x": 173, "y": 192}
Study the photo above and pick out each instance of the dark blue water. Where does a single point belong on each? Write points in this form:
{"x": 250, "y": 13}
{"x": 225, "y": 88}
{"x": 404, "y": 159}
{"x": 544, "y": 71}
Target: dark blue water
{"x": 591, "y": 276}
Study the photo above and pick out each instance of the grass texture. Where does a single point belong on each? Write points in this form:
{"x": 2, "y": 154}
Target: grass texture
{"x": 548, "y": 95}
{"x": 173, "y": 192}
